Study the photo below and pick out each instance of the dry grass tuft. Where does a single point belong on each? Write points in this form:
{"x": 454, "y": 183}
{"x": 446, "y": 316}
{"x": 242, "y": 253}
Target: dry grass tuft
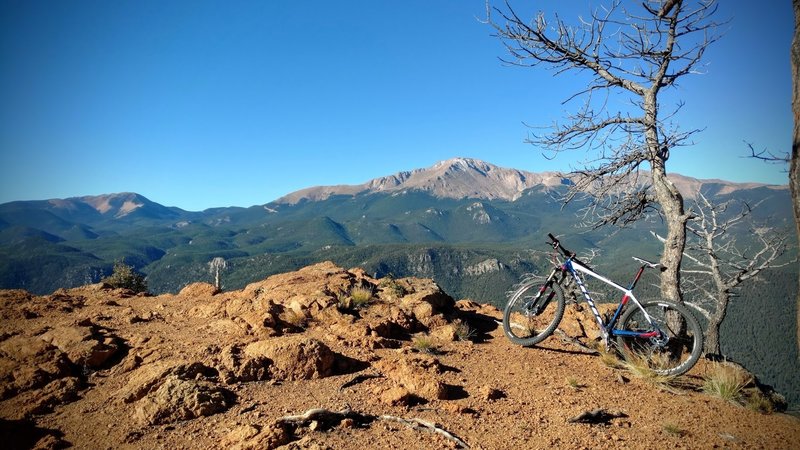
{"x": 646, "y": 368}
{"x": 463, "y": 330}
{"x": 574, "y": 383}
{"x": 726, "y": 382}
{"x": 361, "y": 295}
{"x": 608, "y": 356}
{"x": 424, "y": 344}
{"x": 673, "y": 429}
{"x": 294, "y": 318}
{"x": 358, "y": 297}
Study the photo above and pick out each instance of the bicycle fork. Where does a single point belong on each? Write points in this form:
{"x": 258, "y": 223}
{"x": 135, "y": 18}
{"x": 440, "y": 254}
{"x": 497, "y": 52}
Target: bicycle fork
{"x": 539, "y": 303}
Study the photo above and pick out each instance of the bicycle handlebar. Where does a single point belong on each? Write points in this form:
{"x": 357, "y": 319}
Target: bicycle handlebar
{"x": 557, "y": 245}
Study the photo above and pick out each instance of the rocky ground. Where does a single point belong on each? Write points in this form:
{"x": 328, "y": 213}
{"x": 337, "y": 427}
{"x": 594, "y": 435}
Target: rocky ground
{"x": 295, "y": 361}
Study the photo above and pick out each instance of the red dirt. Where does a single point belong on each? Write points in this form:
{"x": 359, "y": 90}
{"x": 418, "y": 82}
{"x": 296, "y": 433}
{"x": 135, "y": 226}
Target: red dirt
{"x": 198, "y": 370}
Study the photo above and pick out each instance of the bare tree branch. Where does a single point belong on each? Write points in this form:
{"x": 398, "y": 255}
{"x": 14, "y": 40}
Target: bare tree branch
{"x": 718, "y": 264}
{"x": 628, "y": 53}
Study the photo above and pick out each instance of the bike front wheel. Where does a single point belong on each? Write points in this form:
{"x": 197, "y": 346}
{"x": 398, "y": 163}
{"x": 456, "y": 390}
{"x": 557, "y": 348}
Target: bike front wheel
{"x": 670, "y": 343}
{"x": 533, "y": 312}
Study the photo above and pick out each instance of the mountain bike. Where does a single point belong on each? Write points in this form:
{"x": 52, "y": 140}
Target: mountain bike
{"x": 663, "y": 334}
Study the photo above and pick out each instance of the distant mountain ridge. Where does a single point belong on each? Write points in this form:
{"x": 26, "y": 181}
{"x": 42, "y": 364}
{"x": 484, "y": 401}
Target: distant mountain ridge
{"x": 92, "y": 207}
{"x": 454, "y": 178}
{"x": 459, "y": 178}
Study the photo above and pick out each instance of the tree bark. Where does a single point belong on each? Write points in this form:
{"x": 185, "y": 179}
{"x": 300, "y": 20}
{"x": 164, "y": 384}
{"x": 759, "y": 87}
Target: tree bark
{"x": 671, "y": 202}
{"x": 794, "y": 165}
{"x": 712, "y": 345}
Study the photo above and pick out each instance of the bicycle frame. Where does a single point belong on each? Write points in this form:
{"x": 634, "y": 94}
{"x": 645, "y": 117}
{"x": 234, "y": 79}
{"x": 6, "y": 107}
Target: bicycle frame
{"x": 573, "y": 267}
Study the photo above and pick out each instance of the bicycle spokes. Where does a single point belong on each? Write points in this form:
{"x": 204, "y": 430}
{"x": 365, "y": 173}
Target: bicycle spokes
{"x": 533, "y": 313}
{"x": 662, "y": 336}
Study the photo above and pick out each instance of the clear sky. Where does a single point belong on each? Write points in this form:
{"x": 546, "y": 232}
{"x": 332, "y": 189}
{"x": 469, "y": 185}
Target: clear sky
{"x": 200, "y": 104}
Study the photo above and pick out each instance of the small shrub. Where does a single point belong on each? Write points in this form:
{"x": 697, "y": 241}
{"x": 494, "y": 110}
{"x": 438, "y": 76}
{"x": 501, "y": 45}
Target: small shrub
{"x": 293, "y": 318}
{"x": 645, "y": 367}
{"x": 391, "y": 287}
{"x": 361, "y": 295}
{"x": 463, "y": 330}
{"x": 424, "y": 344}
{"x": 726, "y": 382}
{"x": 358, "y": 297}
{"x": 126, "y": 277}
{"x": 673, "y": 430}
{"x": 574, "y": 383}
{"x": 765, "y": 402}
{"x": 759, "y": 402}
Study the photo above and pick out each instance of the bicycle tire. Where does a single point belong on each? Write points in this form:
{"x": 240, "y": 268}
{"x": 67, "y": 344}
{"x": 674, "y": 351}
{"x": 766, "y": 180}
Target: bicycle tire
{"x": 672, "y": 357}
{"x": 526, "y": 327}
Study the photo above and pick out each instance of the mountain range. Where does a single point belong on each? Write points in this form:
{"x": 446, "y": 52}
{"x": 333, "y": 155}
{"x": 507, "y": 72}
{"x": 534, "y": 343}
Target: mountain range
{"x": 475, "y": 228}
{"x": 479, "y": 208}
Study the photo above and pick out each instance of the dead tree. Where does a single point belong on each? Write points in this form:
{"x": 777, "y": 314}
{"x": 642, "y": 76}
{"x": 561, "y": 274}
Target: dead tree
{"x": 634, "y": 54}
{"x": 215, "y": 266}
{"x": 717, "y": 264}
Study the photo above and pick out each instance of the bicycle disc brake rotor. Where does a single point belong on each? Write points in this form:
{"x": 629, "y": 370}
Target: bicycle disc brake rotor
{"x": 660, "y": 340}
{"x": 530, "y": 308}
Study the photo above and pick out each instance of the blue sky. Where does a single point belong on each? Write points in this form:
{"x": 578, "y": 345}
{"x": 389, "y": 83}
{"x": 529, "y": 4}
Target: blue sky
{"x": 201, "y": 104}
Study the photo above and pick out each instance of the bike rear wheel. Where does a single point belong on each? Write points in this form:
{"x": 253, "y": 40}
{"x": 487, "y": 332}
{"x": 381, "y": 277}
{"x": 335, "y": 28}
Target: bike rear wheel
{"x": 533, "y": 312}
{"x": 671, "y": 346}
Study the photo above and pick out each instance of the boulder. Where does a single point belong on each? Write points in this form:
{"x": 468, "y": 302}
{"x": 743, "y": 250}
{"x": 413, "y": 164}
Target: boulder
{"x": 149, "y": 378}
{"x": 426, "y": 301}
{"x": 29, "y": 363}
{"x": 239, "y": 367}
{"x": 195, "y": 290}
{"x": 164, "y": 392}
{"x": 490, "y": 393}
{"x": 293, "y": 357}
{"x": 257, "y": 437}
{"x": 42, "y": 401}
{"x": 281, "y": 358}
{"x": 83, "y": 345}
{"x": 257, "y": 316}
{"x": 396, "y": 396}
{"x": 418, "y": 374}
{"x": 179, "y": 399}
{"x": 445, "y": 333}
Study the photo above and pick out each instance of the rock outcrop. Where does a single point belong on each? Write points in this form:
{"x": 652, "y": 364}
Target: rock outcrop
{"x": 371, "y": 361}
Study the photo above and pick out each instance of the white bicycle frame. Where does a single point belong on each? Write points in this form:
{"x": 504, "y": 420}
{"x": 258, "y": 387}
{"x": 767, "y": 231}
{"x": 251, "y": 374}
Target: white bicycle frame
{"x": 574, "y": 267}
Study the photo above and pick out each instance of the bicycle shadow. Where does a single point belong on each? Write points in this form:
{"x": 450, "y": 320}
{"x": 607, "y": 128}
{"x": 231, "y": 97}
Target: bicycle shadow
{"x": 561, "y": 350}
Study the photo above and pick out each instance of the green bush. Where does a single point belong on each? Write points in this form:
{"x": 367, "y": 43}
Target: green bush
{"x": 126, "y": 277}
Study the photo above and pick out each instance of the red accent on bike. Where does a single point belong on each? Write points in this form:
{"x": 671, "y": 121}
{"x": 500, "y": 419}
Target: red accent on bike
{"x": 624, "y": 299}
{"x": 649, "y": 335}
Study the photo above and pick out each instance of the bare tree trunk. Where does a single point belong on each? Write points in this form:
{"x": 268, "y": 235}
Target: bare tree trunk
{"x": 794, "y": 165}
{"x": 671, "y": 202}
{"x": 216, "y": 279}
{"x": 712, "y": 346}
